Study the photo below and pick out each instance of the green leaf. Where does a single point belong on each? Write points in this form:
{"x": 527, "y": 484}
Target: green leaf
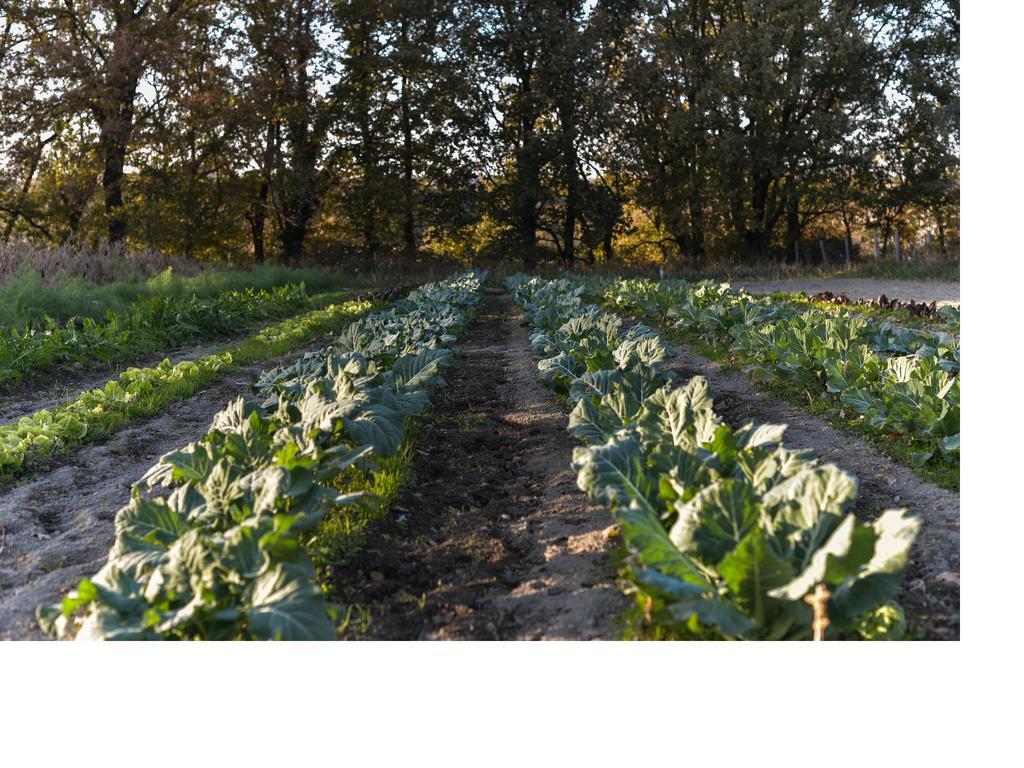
{"x": 751, "y": 571}
{"x": 667, "y": 587}
{"x": 683, "y": 415}
{"x": 285, "y": 606}
{"x": 379, "y": 427}
{"x": 879, "y": 580}
{"x": 714, "y": 613}
{"x": 593, "y": 384}
{"x": 593, "y": 424}
{"x": 716, "y": 520}
{"x": 645, "y": 537}
{"x": 859, "y": 399}
{"x": 413, "y": 372}
{"x": 751, "y": 436}
{"x": 614, "y": 473}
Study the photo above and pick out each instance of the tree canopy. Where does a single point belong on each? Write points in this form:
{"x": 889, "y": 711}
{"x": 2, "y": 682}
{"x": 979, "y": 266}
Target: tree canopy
{"x": 595, "y": 130}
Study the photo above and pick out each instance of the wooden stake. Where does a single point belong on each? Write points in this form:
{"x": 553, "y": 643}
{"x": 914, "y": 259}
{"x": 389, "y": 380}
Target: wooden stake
{"x": 819, "y": 602}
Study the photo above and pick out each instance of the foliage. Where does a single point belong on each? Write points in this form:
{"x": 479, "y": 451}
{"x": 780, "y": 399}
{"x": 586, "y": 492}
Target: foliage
{"x": 902, "y": 381}
{"x": 145, "y": 391}
{"x": 221, "y": 556}
{"x": 579, "y": 130}
{"x": 729, "y": 531}
{"x": 29, "y": 295}
{"x": 146, "y": 326}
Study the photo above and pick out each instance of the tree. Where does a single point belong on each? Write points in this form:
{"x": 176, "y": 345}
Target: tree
{"x": 95, "y": 54}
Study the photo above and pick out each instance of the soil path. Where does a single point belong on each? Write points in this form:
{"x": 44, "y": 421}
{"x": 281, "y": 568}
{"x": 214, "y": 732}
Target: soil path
{"x": 931, "y": 591}
{"x": 864, "y": 288}
{"x": 493, "y": 540}
{"x": 58, "y": 525}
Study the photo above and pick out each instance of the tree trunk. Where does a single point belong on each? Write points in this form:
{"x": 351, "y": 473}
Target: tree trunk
{"x": 114, "y": 148}
{"x": 527, "y": 216}
{"x": 570, "y": 176}
{"x": 896, "y": 244}
{"x": 696, "y": 228}
{"x": 876, "y": 242}
{"x": 116, "y": 123}
{"x": 571, "y": 195}
{"x": 257, "y": 222}
{"x": 824, "y": 254}
{"x": 293, "y": 239}
{"x": 408, "y": 182}
{"x": 258, "y": 208}
{"x": 847, "y": 238}
{"x": 408, "y": 188}
{"x": 757, "y": 237}
{"x": 793, "y": 225}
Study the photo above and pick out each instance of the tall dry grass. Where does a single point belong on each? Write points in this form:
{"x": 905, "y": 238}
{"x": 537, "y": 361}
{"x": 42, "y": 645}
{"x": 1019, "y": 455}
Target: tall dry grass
{"x": 106, "y": 264}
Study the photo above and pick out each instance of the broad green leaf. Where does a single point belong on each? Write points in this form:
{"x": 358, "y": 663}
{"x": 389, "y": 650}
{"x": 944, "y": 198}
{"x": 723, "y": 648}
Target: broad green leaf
{"x": 751, "y": 436}
{"x": 614, "y": 473}
{"x": 879, "y": 580}
{"x": 285, "y": 606}
{"x": 716, "y": 520}
{"x": 645, "y": 537}
{"x": 714, "y": 613}
{"x": 751, "y": 570}
{"x": 379, "y": 427}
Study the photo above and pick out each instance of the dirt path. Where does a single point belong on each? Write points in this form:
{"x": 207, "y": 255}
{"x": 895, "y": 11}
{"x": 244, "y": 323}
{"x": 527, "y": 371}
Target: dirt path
{"x": 494, "y": 540}
{"x": 864, "y": 288}
{"x": 66, "y": 384}
{"x": 931, "y": 593}
{"x": 58, "y": 525}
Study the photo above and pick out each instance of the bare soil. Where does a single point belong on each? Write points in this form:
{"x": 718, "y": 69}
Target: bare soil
{"x": 931, "y": 593}
{"x": 493, "y": 540}
{"x": 863, "y": 288}
{"x": 57, "y": 525}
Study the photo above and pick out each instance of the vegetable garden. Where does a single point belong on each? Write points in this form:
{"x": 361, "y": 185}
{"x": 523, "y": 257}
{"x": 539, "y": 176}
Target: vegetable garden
{"x": 623, "y": 471}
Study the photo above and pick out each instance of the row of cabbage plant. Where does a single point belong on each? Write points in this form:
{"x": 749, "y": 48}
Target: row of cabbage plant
{"x": 730, "y": 533}
{"x": 221, "y": 556}
{"x": 899, "y": 381}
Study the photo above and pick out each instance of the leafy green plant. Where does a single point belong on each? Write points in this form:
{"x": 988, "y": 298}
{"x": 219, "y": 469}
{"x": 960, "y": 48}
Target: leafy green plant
{"x": 144, "y": 391}
{"x": 222, "y": 556}
{"x": 903, "y": 382}
{"x": 729, "y": 531}
{"x": 148, "y": 325}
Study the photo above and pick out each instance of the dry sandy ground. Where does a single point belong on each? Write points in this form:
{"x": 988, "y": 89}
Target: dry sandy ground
{"x": 864, "y": 288}
{"x": 57, "y": 525}
{"x": 493, "y": 540}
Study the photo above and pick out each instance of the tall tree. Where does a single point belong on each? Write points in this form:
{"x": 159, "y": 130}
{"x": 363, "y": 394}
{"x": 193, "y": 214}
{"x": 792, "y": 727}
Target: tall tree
{"x": 291, "y": 116}
{"x": 97, "y": 52}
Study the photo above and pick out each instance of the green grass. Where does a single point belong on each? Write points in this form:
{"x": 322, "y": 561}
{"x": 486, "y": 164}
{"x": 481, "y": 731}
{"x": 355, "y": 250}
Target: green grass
{"x": 26, "y": 299}
{"x": 823, "y": 404}
{"x": 344, "y": 530}
{"x": 144, "y": 392}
